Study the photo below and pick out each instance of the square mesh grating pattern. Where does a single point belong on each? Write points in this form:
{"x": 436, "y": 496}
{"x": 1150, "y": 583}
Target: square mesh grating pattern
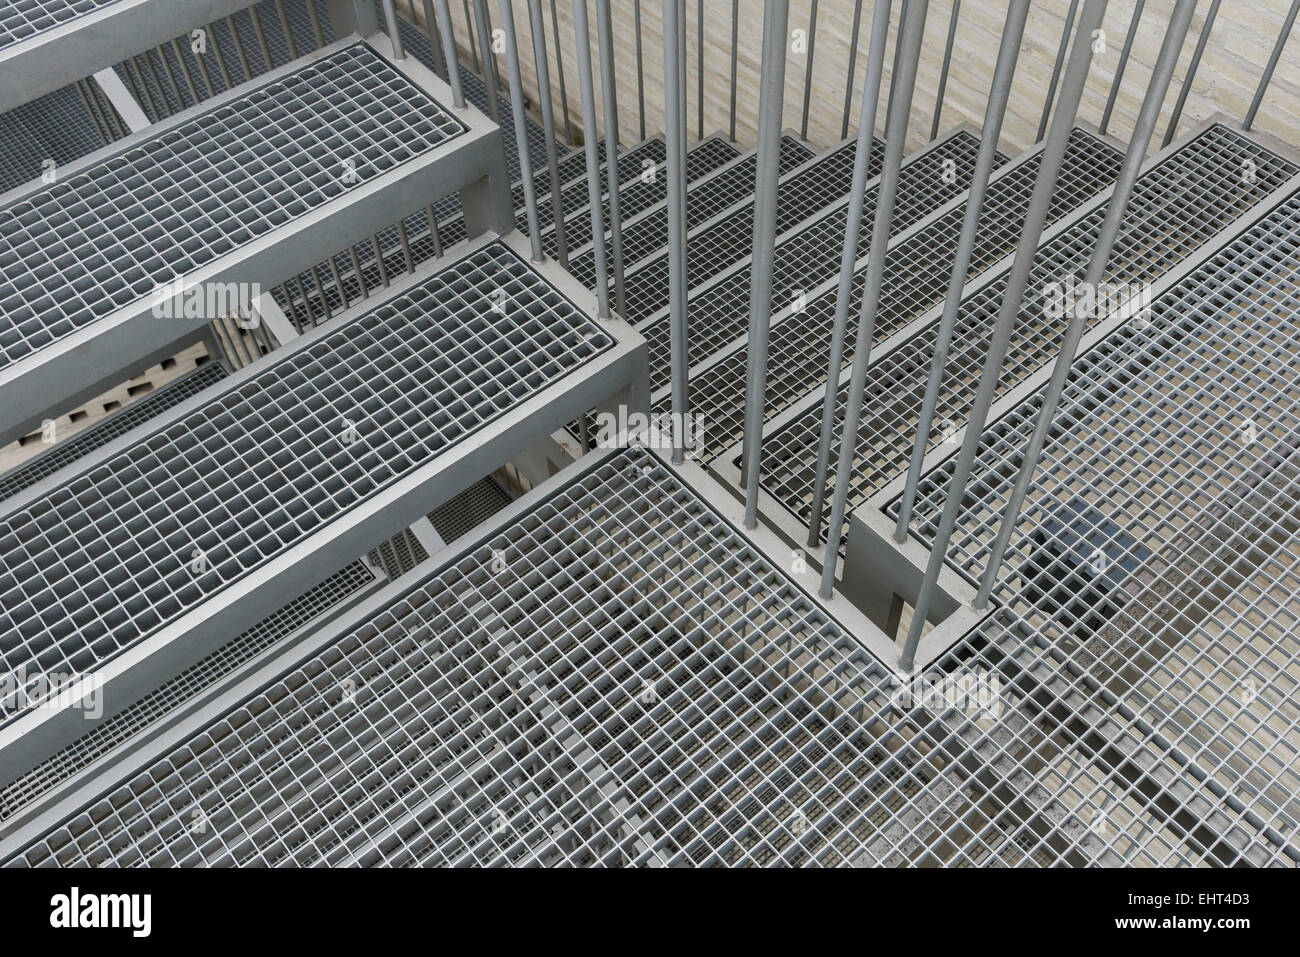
{"x": 104, "y": 238}
{"x": 1177, "y": 206}
{"x": 103, "y": 432}
{"x": 132, "y": 543}
{"x": 468, "y": 510}
{"x": 728, "y": 186}
{"x": 637, "y": 687}
{"x": 1180, "y": 429}
{"x": 632, "y": 688}
{"x": 23, "y": 19}
{"x": 730, "y": 240}
{"x": 799, "y": 344}
{"x": 307, "y": 608}
{"x": 58, "y": 126}
{"x": 720, "y": 314}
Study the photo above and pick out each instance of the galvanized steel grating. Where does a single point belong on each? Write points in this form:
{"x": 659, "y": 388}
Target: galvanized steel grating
{"x": 1170, "y": 584}
{"x": 468, "y": 510}
{"x": 132, "y": 543}
{"x": 917, "y": 269}
{"x": 1177, "y": 206}
{"x": 103, "y": 432}
{"x": 476, "y": 93}
{"x": 399, "y": 554}
{"x": 637, "y": 685}
{"x": 58, "y": 126}
{"x": 731, "y": 184}
{"x": 562, "y": 712}
{"x": 308, "y": 608}
{"x": 728, "y": 241}
{"x": 171, "y": 77}
{"x": 573, "y": 196}
{"x": 719, "y": 314}
{"x": 637, "y": 194}
{"x": 24, "y": 19}
{"x": 106, "y": 237}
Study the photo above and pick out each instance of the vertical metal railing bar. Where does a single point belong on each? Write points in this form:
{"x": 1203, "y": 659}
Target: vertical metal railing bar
{"x": 582, "y": 34}
{"x": 1056, "y": 70}
{"x": 316, "y": 30}
{"x": 609, "y": 96}
{"x": 1120, "y": 67}
{"x": 448, "y": 31}
{"x": 93, "y": 109}
{"x": 537, "y": 27}
{"x": 1195, "y": 63}
{"x": 240, "y": 52}
{"x": 995, "y": 112}
{"x": 675, "y": 134}
{"x": 912, "y": 28}
{"x": 1076, "y": 75}
{"x": 735, "y": 39}
{"x": 157, "y": 78}
{"x": 389, "y": 11}
{"x": 1161, "y": 75}
{"x": 943, "y": 71}
{"x": 258, "y": 30}
{"x": 699, "y": 70}
{"x": 771, "y": 101}
{"x": 808, "y": 69}
{"x": 848, "y": 258}
{"x": 205, "y": 77}
{"x": 507, "y": 14}
{"x": 390, "y": 17}
{"x": 432, "y": 217}
{"x": 483, "y": 27}
{"x": 1264, "y": 80}
{"x": 893, "y": 66}
{"x": 361, "y": 276}
{"x": 559, "y": 70}
{"x": 221, "y": 59}
{"x": 435, "y": 46}
{"x": 135, "y": 81}
{"x": 470, "y": 39}
{"x": 640, "y": 70}
{"x": 853, "y": 63}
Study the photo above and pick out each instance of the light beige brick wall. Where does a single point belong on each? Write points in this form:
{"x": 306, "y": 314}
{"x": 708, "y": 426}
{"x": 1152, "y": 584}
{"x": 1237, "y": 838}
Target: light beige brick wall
{"x": 1238, "y": 49}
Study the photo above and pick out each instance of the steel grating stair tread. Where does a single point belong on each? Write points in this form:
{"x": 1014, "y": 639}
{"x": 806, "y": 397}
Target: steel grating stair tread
{"x": 296, "y": 448}
{"x": 1180, "y": 202}
{"x": 597, "y": 701}
{"x": 917, "y": 268}
{"x": 622, "y": 693}
{"x": 467, "y": 511}
{"x": 40, "y": 38}
{"x": 1182, "y": 429}
{"x": 724, "y": 187}
{"x": 101, "y": 433}
{"x": 719, "y": 312}
{"x": 170, "y": 77}
{"x": 87, "y": 255}
{"x": 727, "y": 238}
{"x": 58, "y": 126}
{"x": 319, "y": 298}
{"x": 302, "y": 614}
{"x": 636, "y": 194}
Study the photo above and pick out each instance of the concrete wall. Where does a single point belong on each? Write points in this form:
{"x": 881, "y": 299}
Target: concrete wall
{"x": 1239, "y": 46}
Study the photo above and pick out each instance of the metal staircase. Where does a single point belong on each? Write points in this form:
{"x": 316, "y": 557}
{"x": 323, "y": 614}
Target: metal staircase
{"x": 376, "y": 584}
